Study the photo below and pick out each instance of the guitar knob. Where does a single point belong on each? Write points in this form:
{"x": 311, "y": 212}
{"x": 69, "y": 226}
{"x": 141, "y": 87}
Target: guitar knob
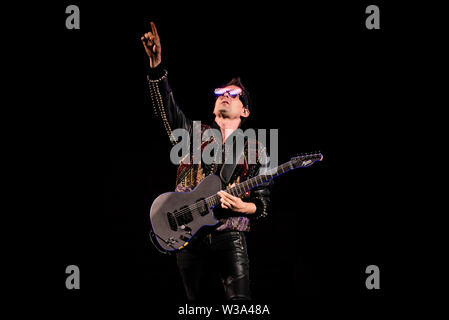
{"x": 185, "y": 228}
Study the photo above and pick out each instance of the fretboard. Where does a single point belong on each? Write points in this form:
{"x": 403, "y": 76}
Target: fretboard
{"x": 249, "y": 184}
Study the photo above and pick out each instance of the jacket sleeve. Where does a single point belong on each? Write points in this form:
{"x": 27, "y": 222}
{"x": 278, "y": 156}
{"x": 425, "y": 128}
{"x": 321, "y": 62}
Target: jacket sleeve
{"x": 164, "y": 104}
{"x": 260, "y": 195}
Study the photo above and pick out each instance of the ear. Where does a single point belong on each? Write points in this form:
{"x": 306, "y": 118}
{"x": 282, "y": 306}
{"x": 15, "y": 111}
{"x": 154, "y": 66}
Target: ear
{"x": 245, "y": 112}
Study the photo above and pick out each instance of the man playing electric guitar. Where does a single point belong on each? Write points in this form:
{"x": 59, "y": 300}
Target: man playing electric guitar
{"x": 223, "y": 248}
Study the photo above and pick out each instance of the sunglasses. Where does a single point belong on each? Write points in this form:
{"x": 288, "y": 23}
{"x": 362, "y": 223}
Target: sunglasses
{"x": 231, "y": 92}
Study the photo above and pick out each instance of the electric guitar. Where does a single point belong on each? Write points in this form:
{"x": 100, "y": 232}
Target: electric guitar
{"x": 177, "y": 216}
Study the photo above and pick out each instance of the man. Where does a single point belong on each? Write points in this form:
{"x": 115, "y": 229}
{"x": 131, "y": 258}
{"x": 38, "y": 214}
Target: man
{"x": 224, "y": 248}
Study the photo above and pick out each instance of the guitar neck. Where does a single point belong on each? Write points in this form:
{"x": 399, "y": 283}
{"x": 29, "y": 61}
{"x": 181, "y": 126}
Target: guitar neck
{"x": 249, "y": 184}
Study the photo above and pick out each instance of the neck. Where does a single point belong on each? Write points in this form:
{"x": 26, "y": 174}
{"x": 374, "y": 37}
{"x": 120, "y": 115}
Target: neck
{"x": 227, "y": 126}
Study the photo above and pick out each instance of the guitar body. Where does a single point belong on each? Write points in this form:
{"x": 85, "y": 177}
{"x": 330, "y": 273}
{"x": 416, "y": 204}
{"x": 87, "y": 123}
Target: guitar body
{"x": 177, "y": 216}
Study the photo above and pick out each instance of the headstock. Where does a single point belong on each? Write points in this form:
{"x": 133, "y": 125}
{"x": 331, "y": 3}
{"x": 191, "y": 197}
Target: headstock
{"x": 305, "y": 160}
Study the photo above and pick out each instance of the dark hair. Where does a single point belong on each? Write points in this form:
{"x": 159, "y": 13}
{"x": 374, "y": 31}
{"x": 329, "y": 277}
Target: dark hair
{"x": 244, "y": 97}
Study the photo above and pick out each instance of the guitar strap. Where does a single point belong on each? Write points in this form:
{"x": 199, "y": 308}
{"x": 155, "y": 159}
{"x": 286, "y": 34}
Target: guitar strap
{"x": 237, "y": 149}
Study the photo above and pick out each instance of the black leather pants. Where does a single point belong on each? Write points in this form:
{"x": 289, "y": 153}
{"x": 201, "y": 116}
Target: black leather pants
{"x": 224, "y": 252}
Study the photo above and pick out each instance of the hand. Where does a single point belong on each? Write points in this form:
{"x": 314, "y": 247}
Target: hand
{"x": 152, "y": 45}
{"x": 236, "y": 204}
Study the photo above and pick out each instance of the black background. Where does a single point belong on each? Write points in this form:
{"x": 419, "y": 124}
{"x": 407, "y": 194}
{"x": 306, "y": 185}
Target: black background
{"x": 315, "y": 73}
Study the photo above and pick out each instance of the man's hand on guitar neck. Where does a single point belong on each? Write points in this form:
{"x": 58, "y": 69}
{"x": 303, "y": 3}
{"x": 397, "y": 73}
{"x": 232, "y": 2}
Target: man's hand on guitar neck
{"x": 236, "y": 204}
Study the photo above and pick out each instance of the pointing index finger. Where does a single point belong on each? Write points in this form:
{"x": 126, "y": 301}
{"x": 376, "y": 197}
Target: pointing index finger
{"x": 153, "y": 29}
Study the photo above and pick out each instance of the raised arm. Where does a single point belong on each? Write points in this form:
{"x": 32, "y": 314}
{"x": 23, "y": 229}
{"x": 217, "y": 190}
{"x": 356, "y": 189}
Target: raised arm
{"x": 162, "y": 99}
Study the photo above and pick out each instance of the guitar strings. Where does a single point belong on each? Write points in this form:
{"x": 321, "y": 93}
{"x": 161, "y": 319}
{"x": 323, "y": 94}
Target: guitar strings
{"x": 199, "y": 204}
{"x": 193, "y": 207}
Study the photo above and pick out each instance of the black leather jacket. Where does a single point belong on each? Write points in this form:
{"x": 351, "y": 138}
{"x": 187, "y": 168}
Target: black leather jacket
{"x": 172, "y": 117}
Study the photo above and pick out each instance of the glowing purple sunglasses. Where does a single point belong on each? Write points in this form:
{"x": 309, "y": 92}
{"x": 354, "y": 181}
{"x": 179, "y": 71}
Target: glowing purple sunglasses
{"x": 231, "y": 92}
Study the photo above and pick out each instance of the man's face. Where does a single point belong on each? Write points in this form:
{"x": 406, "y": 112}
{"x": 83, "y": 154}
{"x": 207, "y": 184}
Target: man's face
{"x": 230, "y": 107}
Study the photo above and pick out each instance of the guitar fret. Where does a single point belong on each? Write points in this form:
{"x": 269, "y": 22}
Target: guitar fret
{"x": 216, "y": 200}
{"x": 281, "y": 168}
{"x": 210, "y": 201}
{"x": 240, "y": 189}
{"x": 253, "y": 182}
{"x": 213, "y": 201}
{"x": 285, "y": 167}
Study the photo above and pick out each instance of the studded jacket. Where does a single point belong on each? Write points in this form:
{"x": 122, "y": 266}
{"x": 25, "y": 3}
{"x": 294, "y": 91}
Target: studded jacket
{"x": 189, "y": 174}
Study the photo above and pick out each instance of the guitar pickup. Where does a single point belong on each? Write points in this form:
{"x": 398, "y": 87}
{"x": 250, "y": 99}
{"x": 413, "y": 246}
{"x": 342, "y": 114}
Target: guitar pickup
{"x": 172, "y": 221}
{"x": 183, "y": 216}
